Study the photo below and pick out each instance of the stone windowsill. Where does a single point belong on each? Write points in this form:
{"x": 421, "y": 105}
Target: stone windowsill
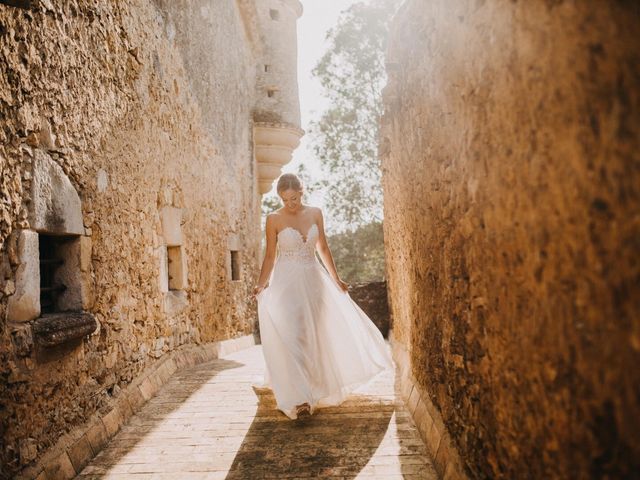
{"x": 58, "y": 328}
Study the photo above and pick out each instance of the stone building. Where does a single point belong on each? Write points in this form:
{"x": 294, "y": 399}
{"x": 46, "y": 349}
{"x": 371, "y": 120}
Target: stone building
{"x": 512, "y": 190}
{"x": 137, "y": 137}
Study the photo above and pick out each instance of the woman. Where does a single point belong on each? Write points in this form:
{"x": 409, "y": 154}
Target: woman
{"x": 318, "y": 344}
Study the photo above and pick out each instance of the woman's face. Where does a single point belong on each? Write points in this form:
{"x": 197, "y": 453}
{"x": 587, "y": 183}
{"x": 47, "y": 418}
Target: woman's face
{"x": 292, "y": 199}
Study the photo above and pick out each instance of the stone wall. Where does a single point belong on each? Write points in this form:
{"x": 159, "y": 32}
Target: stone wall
{"x": 510, "y": 170}
{"x": 142, "y": 109}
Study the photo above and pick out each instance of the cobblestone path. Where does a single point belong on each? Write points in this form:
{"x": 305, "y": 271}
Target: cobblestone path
{"x": 208, "y": 422}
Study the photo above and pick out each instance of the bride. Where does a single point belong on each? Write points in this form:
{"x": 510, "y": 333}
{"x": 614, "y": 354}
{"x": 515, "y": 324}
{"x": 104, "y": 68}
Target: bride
{"x": 318, "y": 345}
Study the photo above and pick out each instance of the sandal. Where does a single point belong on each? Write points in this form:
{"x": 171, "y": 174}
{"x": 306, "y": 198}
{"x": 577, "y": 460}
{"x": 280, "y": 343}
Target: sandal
{"x": 303, "y": 410}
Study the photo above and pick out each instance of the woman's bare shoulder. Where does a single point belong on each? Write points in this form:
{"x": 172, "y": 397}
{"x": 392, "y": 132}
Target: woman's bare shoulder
{"x": 275, "y": 214}
{"x": 315, "y": 211}
{"x": 274, "y": 217}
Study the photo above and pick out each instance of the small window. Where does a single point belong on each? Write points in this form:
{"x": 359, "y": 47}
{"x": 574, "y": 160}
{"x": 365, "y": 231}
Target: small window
{"x": 235, "y": 265}
{"x": 51, "y": 262}
{"x": 274, "y": 14}
{"x": 271, "y": 93}
{"x": 267, "y": 68}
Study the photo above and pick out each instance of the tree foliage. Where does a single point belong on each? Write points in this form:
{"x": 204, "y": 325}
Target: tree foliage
{"x": 345, "y": 137}
{"x": 359, "y": 254}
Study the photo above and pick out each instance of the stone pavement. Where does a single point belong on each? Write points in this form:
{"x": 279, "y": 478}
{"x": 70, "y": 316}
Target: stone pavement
{"x": 208, "y": 422}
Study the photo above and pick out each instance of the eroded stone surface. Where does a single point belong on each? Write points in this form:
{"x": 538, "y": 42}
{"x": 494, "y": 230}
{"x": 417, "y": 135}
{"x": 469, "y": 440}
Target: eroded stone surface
{"x": 510, "y": 149}
{"x": 136, "y": 106}
{"x": 55, "y": 204}
{"x": 24, "y": 300}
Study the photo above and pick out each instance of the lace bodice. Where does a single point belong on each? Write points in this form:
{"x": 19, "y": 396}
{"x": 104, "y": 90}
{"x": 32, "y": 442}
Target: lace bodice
{"x": 292, "y": 246}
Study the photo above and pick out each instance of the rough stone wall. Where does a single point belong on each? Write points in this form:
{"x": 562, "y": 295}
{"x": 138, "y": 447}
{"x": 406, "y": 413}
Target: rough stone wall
{"x": 140, "y": 116}
{"x": 511, "y": 178}
{"x": 277, "y": 85}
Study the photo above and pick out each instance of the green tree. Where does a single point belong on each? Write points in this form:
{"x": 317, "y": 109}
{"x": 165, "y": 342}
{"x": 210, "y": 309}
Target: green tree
{"x": 345, "y": 137}
{"x": 359, "y": 255}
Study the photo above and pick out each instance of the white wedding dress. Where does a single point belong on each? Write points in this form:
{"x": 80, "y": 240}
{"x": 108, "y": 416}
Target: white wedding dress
{"x": 318, "y": 344}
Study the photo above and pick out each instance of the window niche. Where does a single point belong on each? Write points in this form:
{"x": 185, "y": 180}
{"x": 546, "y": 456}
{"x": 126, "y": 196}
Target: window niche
{"x": 234, "y": 258}
{"x": 53, "y": 286}
{"x": 176, "y": 279}
{"x": 235, "y": 265}
{"x": 173, "y": 261}
{"x": 52, "y": 266}
{"x": 274, "y": 14}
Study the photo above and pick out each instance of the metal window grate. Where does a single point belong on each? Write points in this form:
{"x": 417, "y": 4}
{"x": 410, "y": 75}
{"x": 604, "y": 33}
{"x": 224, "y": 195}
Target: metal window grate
{"x": 17, "y": 3}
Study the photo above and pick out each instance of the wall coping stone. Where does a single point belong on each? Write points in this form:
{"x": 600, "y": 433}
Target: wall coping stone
{"x": 427, "y": 418}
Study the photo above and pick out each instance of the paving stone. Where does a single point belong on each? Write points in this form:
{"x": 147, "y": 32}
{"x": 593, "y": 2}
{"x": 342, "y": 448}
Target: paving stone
{"x": 207, "y": 422}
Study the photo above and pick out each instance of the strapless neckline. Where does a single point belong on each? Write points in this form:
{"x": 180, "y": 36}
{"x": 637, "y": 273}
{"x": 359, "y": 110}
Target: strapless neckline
{"x": 302, "y": 237}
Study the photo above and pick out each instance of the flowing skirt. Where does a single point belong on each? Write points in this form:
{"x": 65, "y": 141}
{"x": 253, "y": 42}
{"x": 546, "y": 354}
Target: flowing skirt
{"x": 318, "y": 344}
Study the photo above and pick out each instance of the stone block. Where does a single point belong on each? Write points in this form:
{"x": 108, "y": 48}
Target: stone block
{"x": 87, "y": 293}
{"x": 102, "y": 180}
{"x": 135, "y": 398}
{"x": 126, "y": 412}
{"x": 420, "y": 412}
{"x": 412, "y": 402}
{"x": 147, "y": 389}
{"x": 163, "y": 278}
{"x": 433, "y": 439}
{"x": 112, "y": 422}
{"x": 55, "y": 205}
{"x": 85, "y": 254}
{"x": 174, "y": 303}
{"x": 58, "y": 328}
{"x": 24, "y": 304}
{"x": 171, "y": 218}
{"x": 97, "y": 436}
{"x": 233, "y": 242}
{"x": 406, "y": 387}
{"x": 46, "y": 137}
{"x": 60, "y": 468}
{"x": 80, "y": 453}
{"x": 443, "y": 455}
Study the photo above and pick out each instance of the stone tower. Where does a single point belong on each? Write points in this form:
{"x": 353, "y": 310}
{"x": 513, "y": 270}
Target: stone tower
{"x": 277, "y": 109}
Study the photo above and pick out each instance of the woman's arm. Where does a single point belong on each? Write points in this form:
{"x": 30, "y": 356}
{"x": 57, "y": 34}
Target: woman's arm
{"x": 269, "y": 255}
{"x": 325, "y": 253}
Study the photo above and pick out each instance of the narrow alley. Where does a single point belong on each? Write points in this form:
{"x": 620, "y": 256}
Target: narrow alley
{"x": 207, "y": 422}
{"x": 474, "y": 167}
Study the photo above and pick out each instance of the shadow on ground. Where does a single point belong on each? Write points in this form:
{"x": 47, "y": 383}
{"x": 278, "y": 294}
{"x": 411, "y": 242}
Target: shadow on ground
{"x": 182, "y": 385}
{"x": 337, "y": 441}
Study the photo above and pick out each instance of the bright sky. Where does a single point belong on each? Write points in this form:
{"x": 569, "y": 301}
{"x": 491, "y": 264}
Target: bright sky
{"x": 318, "y": 17}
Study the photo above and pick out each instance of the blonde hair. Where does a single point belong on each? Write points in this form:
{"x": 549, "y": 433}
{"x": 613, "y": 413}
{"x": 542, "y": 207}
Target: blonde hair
{"x": 289, "y": 181}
